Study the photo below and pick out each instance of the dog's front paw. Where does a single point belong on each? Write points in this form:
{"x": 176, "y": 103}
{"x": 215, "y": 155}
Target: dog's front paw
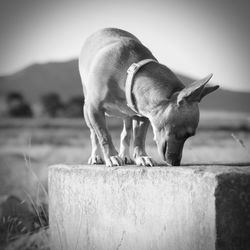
{"x": 95, "y": 159}
{"x": 115, "y": 160}
{"x": 126, "y": 158}
{"x": 144, "y": 161}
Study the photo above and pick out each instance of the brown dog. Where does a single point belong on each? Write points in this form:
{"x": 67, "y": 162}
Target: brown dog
{"x": 149, "y": 92}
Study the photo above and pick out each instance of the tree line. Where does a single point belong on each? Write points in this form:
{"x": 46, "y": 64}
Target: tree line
{"x": 49, "y": 105}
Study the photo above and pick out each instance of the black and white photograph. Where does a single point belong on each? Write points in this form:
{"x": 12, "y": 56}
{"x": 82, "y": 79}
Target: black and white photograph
{"x": 124, "y": 125}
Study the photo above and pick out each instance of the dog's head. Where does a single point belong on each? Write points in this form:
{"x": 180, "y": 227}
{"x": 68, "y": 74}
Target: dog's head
{"x": 175, "y": 122}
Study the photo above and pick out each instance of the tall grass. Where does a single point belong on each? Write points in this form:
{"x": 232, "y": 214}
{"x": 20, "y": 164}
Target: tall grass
{"x": 17, "y": 236}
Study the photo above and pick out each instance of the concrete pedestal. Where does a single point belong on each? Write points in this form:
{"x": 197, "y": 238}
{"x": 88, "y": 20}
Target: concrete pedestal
{"x": 138, "y": 208}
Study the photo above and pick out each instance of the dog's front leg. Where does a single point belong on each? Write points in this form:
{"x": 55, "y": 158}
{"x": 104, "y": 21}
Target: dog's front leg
{"x": 125, "y": 140}
{"x": 140, "y": 127}
{"x": 95, "y": 157}
{"x": 98, "y": 123}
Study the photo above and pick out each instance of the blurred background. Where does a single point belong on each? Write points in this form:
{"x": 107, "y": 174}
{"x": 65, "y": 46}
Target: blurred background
{"x": 41, "y": 121}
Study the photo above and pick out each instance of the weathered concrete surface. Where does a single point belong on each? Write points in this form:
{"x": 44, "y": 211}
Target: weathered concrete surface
{"x": 172, "y": 208}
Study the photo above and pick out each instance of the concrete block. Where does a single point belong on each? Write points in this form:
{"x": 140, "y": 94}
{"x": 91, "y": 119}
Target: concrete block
{"x": 170, "y": 208}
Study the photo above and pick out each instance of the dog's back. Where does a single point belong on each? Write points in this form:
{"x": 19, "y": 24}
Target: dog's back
{"x": 109, "y": 52}
{"x": 100, "y": 40}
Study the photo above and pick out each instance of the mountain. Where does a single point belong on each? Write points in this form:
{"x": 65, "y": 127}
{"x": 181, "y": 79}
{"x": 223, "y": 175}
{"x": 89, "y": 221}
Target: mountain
{"x": 39, "y": 79}
{"x": 63, "y": 78}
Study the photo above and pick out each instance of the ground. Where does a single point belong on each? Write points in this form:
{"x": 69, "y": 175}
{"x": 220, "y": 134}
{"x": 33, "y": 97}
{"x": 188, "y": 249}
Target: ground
{"x": 28, "y": 147}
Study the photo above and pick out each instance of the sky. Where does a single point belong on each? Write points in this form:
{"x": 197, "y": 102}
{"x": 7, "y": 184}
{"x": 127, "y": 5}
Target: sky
{"x": 194, "y": 37}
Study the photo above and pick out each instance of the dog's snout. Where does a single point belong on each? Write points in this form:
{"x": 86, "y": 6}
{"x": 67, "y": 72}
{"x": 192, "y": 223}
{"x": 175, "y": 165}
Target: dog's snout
{"x": 173, "y": 153}
{"x": 174, "y": 161}
{"x": 170, "y": 153}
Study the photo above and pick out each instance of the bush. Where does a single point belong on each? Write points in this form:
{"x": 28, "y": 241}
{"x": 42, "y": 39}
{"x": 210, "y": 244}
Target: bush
{"x": 17, "y": 106}
{"x": 52, "y": 105}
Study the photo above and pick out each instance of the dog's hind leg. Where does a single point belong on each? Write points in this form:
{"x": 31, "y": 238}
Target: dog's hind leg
{"x": 140, "y": 127}
{"x": 95, "y": 157}
{"x": 125, "y": 140}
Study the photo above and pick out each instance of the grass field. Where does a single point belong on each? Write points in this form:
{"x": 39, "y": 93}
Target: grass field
{"x": 28, "y": 147}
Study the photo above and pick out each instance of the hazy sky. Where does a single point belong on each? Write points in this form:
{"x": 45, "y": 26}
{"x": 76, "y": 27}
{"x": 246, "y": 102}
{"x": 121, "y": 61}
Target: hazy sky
{"x": 194, "y": 37}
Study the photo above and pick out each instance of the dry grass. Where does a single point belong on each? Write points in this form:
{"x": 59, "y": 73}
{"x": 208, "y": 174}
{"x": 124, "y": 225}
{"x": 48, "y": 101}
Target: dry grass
{"x": 47, "y": 146}
{"x": 35, "y": 241}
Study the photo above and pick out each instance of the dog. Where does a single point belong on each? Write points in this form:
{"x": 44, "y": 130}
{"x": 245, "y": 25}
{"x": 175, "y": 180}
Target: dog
{"x": 122, "y": 78}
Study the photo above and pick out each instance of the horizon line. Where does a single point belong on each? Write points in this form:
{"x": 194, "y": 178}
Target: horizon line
{"x": 76, "y": 58}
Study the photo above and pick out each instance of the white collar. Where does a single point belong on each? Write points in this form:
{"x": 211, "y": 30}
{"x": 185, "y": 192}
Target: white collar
{"x": 134, "y": 67}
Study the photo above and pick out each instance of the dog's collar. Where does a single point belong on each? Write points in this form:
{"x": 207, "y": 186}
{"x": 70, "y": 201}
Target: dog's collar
{"x": 134, "y": 67}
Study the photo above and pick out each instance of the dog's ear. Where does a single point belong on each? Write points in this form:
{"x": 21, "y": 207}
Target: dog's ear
{"x": 194, "y": 92}
{"x": 208, "y": 89}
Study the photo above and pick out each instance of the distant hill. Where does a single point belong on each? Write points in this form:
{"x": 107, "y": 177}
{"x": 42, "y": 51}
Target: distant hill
{"x": 63, "y": 78}
{"x": 38, "y": 79}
